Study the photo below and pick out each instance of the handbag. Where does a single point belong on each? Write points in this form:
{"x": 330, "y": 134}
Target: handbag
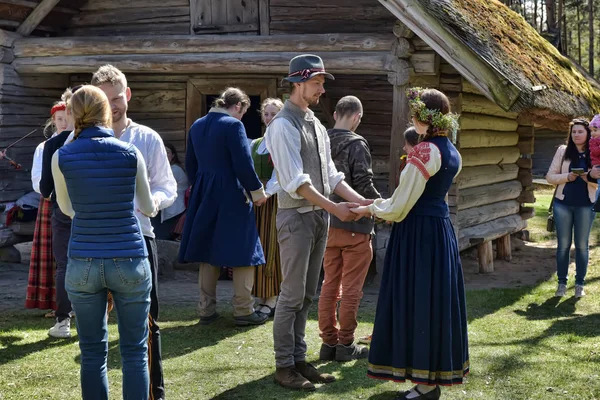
{"x": 550, "y": 226}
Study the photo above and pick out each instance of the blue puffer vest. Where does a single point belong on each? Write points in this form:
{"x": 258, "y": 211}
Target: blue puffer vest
{"x": 100, "y": 173}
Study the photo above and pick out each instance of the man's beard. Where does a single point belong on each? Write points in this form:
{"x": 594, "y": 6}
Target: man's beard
{"x": 312, "y": 101}
{"x": 118, "y": 116}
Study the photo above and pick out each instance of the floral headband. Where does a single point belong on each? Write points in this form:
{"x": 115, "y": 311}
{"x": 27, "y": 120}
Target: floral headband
{"x": 442, "y": 124}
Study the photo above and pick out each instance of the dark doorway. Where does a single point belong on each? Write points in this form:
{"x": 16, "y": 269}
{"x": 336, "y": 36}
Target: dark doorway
{"x": 251, "y": 119}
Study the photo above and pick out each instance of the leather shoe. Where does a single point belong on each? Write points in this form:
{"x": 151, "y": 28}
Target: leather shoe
{"x": 312, "y": 374}
{"x": 290, "y": 378}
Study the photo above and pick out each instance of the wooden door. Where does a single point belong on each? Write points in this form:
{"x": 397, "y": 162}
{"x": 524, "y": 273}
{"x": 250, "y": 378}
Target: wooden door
{"x": 224, "y": 16}
{"x": 199, "y": 89}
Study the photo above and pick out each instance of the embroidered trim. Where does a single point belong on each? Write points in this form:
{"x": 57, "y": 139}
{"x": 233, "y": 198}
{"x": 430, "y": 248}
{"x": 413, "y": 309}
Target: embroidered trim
{"x": 419, "y": 156}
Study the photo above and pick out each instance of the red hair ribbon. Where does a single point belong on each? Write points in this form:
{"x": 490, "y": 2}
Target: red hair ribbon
{"x": 58, "y": 107}
{"x": 305, "y": 73}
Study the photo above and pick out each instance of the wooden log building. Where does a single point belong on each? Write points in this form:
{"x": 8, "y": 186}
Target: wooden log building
{"x": 501, "y": 76}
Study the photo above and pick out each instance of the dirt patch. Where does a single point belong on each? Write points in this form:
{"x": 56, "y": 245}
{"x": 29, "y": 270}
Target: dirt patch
{"x": 530, "y": 264}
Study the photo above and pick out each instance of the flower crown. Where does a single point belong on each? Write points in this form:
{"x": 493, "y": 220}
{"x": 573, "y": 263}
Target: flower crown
{"x": 442, "y": 124}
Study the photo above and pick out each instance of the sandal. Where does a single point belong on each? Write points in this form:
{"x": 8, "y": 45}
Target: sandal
{"x": 50, "y": 314}
{"x": 271, "y": 312}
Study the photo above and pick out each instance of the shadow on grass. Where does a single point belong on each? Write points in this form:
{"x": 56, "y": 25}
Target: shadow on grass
{"x": 351, "y": 381}
{"x": 13, "y": 351}
{"x": 181, "y": 340}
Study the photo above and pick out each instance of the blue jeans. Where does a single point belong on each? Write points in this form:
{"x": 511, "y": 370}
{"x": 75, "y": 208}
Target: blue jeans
{"x": 567, "y": 220}
{"x": 129, "y": 280}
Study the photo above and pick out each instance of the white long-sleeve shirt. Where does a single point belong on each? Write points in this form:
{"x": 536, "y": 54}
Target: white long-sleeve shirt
{"x": 162, "y": 183}
{"x": 36, "y": 168}
{"x": 411, "y": 185}
{"x": 143, "y": 196}
{"x": 284, "y": 144}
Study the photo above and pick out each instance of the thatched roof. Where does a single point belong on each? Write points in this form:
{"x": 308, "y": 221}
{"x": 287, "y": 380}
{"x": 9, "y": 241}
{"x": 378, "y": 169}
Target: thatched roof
{"x": 530, "y": 74}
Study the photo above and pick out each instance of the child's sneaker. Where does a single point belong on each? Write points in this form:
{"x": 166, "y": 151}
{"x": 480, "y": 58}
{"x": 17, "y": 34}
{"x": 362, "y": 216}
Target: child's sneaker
{"x": 61, "y": 329}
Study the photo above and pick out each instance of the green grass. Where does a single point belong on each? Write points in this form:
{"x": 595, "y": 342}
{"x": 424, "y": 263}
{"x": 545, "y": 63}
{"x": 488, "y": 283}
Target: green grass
{"x": 524, "y": 344}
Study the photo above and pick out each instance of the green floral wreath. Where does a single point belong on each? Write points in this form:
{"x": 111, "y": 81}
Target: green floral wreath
{"x": 442, "y": 124}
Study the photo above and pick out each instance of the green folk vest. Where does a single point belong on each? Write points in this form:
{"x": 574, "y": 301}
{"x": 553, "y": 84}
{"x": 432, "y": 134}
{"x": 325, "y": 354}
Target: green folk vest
{"x": 262, "y": 165}
{"x": 312, "y": 152}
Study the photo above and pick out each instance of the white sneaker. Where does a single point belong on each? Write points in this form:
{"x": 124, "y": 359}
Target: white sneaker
{"x": 561, "y": 291}
{"x": 72, "y": 314}
{"x": 61, "y": 329}
{"x": 579, "y": 292}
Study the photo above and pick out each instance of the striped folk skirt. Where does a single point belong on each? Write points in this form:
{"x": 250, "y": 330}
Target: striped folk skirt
{"x": 267, "y": 278}
{"x": 40, "y": 287}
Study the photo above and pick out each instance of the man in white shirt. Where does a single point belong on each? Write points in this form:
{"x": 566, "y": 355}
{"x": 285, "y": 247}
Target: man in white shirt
{"x": 162, "y": 185}
{"x": 300, "y": 149}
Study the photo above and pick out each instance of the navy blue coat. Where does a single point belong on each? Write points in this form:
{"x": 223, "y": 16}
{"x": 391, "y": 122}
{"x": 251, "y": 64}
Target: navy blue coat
{"x": 220, "y": 227}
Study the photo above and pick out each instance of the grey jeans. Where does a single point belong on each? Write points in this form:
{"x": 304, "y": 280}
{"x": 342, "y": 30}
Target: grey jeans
{"x": 302, "y": 241}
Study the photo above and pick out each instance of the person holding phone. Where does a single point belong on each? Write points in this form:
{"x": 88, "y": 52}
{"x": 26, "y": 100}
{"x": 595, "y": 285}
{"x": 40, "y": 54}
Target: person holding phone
{"x": 573, "y": 200}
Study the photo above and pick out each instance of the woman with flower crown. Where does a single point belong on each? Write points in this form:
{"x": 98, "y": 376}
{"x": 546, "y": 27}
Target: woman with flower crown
{"x": 420, "y": 331}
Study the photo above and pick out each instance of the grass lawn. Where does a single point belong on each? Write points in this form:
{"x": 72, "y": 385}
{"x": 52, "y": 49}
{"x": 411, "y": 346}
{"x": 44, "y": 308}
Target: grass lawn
{"x": 524, "y": 344}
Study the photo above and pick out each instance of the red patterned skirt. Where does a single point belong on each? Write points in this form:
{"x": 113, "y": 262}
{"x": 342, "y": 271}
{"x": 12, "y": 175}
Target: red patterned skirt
{"x": 40, "y": 288}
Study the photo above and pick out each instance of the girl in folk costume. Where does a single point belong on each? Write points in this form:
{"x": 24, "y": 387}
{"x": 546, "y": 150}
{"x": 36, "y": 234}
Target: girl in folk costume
{"x": 420, "y": 331}
{"x": 267, "y": 278}
{"x": 40, "y": 288}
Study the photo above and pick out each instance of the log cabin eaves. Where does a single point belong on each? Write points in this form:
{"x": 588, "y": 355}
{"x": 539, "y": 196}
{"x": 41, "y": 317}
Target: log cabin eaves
{"x": 497, "y": 51}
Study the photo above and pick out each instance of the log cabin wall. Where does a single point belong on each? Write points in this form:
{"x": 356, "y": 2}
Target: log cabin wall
{"x": 117, "y": 17}
{"x": 490, "y": 183}
{"x": 25, "y": 103}
{"x": 334, "y": 16}
{"x": 375, "y": 94}
{"x": 157, "y": 101}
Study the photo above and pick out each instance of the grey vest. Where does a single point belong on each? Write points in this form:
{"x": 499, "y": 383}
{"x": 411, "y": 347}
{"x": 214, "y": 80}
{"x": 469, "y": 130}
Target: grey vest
{"x": 312, "y": 152}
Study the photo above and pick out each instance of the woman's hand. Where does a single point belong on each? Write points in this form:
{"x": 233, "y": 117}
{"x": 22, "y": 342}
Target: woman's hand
{"x": 595, "y": 172}
{"x": 572, "y": 176}
{"x": 363, "y": 211}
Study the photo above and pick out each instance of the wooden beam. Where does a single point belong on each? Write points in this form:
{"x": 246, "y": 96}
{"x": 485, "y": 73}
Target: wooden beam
{"x": 483, "y": 138}
{"x": 34, "y": 4}
{"x": 263, "y": 63}
{"x": 469, "y": 121}
{"x": 490, "y": 230}
{"x": 485, "y": 256}
{"x": 182, "y": 44}
{"x": 488, "y": 174}
{"x": 491, "y": 82}
{"x": 479, "y": 215}
{"x": 400, "y": 121}
{"x": 488, "y": 194}
{"x": 489, "y": 156}
{"x": 264, "y": 17}
{"x": 37, "y": 15}
{"x": 503, "y": 250}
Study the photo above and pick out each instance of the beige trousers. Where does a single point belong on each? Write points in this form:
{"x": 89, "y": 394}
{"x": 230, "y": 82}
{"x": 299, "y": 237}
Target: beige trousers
{"x": 243, "y": 280}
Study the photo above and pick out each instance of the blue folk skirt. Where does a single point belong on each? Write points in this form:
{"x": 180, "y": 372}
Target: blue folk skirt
{"x": 420, "y": 331}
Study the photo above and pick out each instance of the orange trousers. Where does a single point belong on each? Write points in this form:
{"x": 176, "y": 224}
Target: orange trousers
{"x": 346, "y": 263}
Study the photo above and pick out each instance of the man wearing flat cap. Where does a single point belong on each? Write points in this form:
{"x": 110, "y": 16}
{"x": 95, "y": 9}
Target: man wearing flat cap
{"x": 300, "y": 150}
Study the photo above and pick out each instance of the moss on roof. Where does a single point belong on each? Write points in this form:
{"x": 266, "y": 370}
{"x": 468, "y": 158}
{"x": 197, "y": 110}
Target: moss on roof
{"x": 514, "y": 48}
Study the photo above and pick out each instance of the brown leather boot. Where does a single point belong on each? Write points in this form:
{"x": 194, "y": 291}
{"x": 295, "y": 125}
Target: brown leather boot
{"x": 290, "y": 378}
{"x": 312, "y": 374}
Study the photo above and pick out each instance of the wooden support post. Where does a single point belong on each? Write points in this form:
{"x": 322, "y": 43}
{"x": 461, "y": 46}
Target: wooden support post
{"x": 400, "y": 121}
{"x": 503, "y": 249}
{"x": 485, "y": 255}
{"x": 37, "y": 15}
